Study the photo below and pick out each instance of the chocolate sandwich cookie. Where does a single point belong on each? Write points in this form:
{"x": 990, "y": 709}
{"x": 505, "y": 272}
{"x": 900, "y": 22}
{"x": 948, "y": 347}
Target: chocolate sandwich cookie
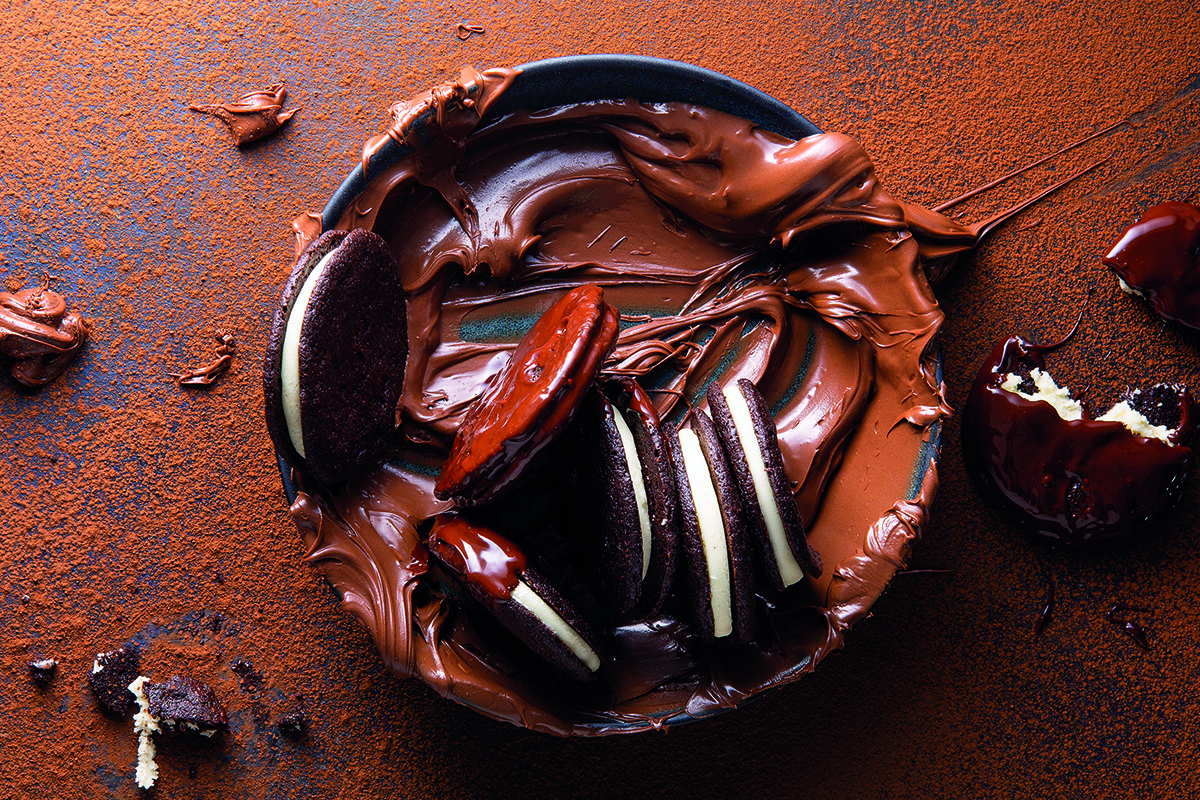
{"x": 1038, "y": 453}
{"x": 532, "y": 399}
{"x": 335, "y": 360}
{"x": 497, "y": 574}
{"x": 1158, "y": 257}
{"x": 751, "y": 441}
{"x": 625, "y": 480}
{"x": 718, "y": 559}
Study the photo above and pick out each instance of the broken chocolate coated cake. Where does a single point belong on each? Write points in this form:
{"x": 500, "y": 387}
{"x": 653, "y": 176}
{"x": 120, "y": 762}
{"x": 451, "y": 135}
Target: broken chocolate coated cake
{"x": 1066, "y": 476}
{"x": 690, "y": 248}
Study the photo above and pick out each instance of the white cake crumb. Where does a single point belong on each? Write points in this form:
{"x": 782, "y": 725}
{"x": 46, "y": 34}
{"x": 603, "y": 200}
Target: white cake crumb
{"x": 1125, "y": 287}
{"x": 144, "y": 724}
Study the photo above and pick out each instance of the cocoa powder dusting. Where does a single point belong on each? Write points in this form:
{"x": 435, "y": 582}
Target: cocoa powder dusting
{"x": 137, "y": 512}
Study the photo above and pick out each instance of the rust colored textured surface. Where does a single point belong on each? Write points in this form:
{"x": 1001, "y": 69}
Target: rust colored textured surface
{"x": 134, "y": 510}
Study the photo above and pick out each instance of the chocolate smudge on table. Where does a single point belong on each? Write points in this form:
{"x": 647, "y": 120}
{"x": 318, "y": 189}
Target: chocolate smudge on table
{"x": 206, "y": 375}
{"x": 253, "y": 116}
{"x": 39, "y": 334}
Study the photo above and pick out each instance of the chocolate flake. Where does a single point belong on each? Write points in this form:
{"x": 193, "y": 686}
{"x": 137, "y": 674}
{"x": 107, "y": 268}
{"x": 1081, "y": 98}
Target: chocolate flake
{"x": 206, "y": 375}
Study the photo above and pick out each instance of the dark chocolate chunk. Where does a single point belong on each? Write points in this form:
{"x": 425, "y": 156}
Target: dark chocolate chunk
{"x": 111, "y": 675}
{"x": 293, "y": 717}
{"x": 1072, "y": 481}
{"x": 352, "y": 349}
{"x": 781, "y": 496}
{"x": 184, "y": 701}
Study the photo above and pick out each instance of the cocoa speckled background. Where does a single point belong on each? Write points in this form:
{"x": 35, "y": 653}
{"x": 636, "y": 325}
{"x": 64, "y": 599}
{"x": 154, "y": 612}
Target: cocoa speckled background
{"x": 133, "y": 509}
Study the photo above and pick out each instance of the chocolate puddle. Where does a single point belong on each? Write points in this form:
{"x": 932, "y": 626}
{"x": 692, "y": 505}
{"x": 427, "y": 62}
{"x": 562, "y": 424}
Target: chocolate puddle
{"x": 731, "y": 252}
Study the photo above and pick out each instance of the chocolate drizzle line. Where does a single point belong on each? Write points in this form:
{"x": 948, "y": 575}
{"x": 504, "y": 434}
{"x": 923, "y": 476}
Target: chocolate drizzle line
{"x": 749, "y": 255}
{"x": 1130, "y": 627}
{"x": 465, "y": 31}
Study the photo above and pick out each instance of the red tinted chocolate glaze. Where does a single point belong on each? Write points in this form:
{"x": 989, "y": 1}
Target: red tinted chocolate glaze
{"x": 253, "y": 116}
{"x": 531, "y": 400}
{"x": 1072, "y": 481}
{"x": 39, "y": 334}
{"x": 732, "y": 252}
{"x": 1159, "y": 256}
{"x": 488, "y": 562}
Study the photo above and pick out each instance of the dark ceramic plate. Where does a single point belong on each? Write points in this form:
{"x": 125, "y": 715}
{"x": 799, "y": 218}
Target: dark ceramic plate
{"x": 574, "y": 79}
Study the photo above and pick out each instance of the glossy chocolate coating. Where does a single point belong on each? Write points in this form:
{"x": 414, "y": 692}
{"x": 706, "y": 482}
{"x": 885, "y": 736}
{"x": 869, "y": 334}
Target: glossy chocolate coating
{"x": 533, "y": 398}
{"x": 1071, "y": 481}
{"x": 1159, "y": 256}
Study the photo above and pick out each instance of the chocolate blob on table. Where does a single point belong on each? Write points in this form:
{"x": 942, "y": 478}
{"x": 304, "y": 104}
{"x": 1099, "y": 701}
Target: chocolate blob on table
{"x": 1076, "y": 480}
{"x": 731, "y": 252}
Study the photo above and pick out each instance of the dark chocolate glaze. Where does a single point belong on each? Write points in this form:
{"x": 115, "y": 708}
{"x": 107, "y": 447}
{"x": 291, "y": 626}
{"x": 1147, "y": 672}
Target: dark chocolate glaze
{"x": 490, "y": 563}
{"x": 731, "y": 252}
{"x": 1071, "y": 481}
{"x": 39, "y": 334}
{"x": 1159, "y": 257}
{"x": 532, "y": 400}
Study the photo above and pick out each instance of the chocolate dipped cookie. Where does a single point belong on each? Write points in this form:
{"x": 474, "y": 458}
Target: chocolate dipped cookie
{"x": 497, "y": 574}
{"x": 335, "y": 359}
{"x": 625, "y": 483}
{"x": 748, "y": 434}
{"x": 1068, "y": 476}
{"x": 532, "y": 399}
{"x": 717, "y": 555}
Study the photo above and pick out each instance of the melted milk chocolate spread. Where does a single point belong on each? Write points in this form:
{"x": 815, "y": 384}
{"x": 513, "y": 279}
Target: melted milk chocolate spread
{"x": 731, "y": 252}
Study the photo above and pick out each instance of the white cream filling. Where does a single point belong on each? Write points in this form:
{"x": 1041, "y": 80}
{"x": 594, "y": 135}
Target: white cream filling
{"x": 712, "y": 530}
{"x": 1047, "y": 391}
{"x": 743, "y": 423}
{"x": 1125, "y": 287}
{"x": 144, "y": 724}
{"x": 289, "y": 368}
{"x": 533, "y": 602}
{"x": 1132, "y": 419}
{"x": 639, "y": 485}
{"x": 1069, "y": 409}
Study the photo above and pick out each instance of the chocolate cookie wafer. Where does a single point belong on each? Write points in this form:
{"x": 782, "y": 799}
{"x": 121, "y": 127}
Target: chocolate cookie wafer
{"x": 717, "y": 554}
{"x": 335, "y": 359}
{"x": 751, "y": 441}
{"x": 625, "y": 480}
{"x": 497, "y": 574}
